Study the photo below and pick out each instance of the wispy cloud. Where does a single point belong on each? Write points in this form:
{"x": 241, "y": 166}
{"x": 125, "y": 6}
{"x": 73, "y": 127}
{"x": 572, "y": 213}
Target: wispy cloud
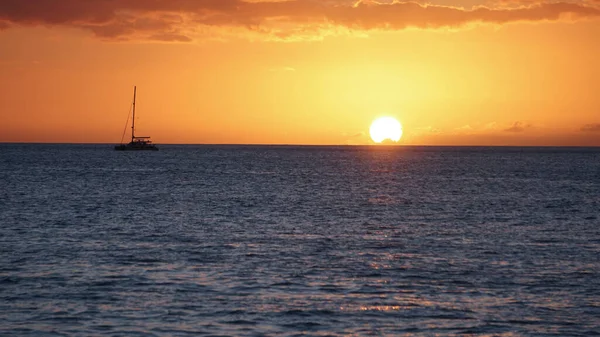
{"x": 490, "y": 126}
{"x": 353, "y": 138}
{"x": 518, "y": 127}
{"x": 179, "y": 20}
{"x": 465, "y": 128}
{"x": 591, "y": 127}
{"x": 425, "y": 130}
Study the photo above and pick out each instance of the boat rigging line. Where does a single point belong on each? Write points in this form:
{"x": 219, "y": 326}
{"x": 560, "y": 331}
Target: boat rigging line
{"x": 127, "y": 122}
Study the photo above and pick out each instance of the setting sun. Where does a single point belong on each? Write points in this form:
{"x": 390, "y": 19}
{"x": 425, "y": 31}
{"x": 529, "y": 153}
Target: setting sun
{"x": 385, "y": 128}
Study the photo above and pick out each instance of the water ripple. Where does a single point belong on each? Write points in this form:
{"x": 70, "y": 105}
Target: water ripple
{"x": 285, "y": 241}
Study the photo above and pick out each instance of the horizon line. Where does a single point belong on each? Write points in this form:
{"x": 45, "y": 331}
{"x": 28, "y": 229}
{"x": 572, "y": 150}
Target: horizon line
{"x": 311, "y": 145}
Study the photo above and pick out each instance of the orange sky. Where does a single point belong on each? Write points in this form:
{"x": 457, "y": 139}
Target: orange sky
{"x": 454, "y": 72}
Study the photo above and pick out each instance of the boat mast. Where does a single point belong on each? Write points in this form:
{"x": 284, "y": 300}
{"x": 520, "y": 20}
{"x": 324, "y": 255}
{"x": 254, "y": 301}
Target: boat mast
{"x": 133, "y": 121}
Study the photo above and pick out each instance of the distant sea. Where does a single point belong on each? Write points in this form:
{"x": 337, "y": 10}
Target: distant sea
{"x": 290, "y": 240}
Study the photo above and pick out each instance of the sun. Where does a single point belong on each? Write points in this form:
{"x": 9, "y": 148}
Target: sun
{"x": 385, "y": 128}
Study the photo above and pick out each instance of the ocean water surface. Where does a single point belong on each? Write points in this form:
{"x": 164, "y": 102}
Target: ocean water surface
{"x": 286, "y": 241}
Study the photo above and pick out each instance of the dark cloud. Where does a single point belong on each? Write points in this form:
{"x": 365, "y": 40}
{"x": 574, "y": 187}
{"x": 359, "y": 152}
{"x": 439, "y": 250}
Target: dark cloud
{"x": 518, "y": 127}
{"x": 127, "y": 24}
{"x": 169, "y": 18}
{"x": 100, "y": 11}
{"x": 591, "y": 128}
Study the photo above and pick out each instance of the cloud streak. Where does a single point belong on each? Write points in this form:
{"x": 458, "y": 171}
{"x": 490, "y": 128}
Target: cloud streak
{"x": 177, "y": 20}
{"x": 518, "y": 127}
{"x": 591, "y": 128}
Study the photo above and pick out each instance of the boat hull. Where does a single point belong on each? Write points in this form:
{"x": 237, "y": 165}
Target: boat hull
{"x": 136, "y": 147}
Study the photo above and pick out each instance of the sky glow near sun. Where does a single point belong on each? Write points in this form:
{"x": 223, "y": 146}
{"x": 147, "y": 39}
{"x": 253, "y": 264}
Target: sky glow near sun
{"x": 455, "y": 72}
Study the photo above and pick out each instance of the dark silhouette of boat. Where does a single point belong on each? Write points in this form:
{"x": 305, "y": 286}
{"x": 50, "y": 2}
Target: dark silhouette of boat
{"x": 137, "y": 143}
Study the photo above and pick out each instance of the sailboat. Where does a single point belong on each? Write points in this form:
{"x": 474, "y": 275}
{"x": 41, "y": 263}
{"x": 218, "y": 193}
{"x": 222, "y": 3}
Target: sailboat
{"x": 137, "y": 143}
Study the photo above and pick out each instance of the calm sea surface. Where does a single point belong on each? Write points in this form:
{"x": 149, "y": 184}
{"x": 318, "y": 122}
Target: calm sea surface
{"x": 284, "y": 241}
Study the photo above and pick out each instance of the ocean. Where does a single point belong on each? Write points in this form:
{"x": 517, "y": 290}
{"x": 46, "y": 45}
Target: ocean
{"x": 292, "y": 240}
